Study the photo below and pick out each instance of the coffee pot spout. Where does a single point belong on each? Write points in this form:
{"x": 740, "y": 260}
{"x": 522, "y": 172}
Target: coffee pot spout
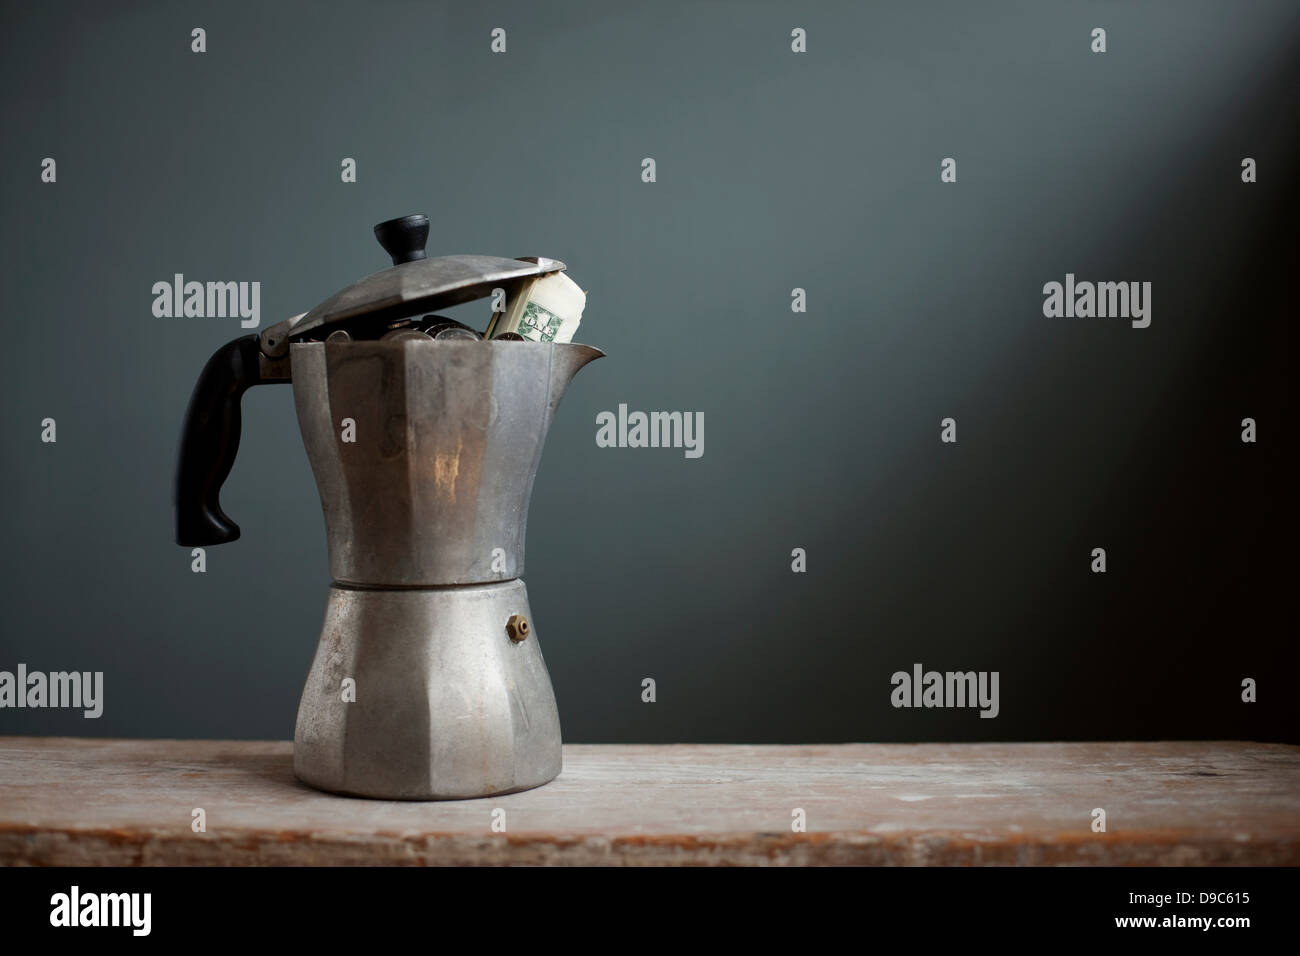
{"x": 568, "y": 360}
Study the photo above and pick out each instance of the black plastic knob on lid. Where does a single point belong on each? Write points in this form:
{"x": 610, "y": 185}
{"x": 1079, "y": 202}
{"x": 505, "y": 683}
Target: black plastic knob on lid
{"x": 404, "y": 238}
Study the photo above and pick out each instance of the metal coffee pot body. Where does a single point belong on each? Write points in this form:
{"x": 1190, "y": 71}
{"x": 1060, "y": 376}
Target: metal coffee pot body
{"x": 428, "y": 680}
{"x": 425, "y": 453}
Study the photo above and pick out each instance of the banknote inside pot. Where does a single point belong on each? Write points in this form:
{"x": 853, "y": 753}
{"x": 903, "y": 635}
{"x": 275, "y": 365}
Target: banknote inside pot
{"x": 546, "y": 309}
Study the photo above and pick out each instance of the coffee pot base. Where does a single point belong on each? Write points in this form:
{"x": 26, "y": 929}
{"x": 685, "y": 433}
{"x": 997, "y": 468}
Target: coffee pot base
{"x": 428, "y": 694}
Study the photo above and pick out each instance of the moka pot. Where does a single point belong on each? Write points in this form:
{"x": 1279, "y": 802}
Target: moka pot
{"x": 428, "y": 680}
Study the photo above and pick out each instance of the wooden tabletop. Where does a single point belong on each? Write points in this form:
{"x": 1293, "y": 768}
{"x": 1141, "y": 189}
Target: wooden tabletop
{"x": 126, "y": 802}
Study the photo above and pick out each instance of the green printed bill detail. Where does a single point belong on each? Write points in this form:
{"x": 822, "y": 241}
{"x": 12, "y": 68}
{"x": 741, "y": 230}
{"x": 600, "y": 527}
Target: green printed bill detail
{"x": 539, "y": 324}
{"x": 543, "y": 310}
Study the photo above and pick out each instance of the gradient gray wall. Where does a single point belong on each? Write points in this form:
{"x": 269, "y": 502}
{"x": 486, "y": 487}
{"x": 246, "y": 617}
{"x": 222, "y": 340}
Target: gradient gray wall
{"x": 775, "y": 170}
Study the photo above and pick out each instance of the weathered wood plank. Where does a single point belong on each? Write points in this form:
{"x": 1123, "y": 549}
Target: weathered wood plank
{"x": 126, "y": 802}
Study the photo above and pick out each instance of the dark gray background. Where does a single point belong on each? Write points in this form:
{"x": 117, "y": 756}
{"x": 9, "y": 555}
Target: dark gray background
{"x": 775, "y": 170}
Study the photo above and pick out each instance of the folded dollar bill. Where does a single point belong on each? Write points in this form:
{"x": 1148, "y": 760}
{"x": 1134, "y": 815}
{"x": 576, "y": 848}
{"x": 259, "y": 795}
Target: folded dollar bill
{"x": 542, "y": 310}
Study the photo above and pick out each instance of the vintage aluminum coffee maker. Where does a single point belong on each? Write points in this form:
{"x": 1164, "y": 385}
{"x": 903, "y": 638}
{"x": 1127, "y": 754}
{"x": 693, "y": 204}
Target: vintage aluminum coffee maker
{"x": 428, "y": 681}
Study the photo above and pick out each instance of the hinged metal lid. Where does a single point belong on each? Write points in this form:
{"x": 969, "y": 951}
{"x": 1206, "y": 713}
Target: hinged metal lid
{"x": 414, "y": 284}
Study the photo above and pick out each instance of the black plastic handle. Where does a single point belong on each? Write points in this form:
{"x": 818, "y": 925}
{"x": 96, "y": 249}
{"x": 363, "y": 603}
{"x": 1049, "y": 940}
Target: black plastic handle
{"x": 209, "y": 442}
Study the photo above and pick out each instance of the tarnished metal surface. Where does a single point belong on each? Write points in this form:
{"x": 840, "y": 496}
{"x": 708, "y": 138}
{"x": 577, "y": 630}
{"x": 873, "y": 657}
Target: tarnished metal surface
{"x": 424, "y": 453}
{"x": 273, "y": 342}
{"x": 423, "y": 285}
{"x": 448, "y": 435}
{"x": 446, "y": 704}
